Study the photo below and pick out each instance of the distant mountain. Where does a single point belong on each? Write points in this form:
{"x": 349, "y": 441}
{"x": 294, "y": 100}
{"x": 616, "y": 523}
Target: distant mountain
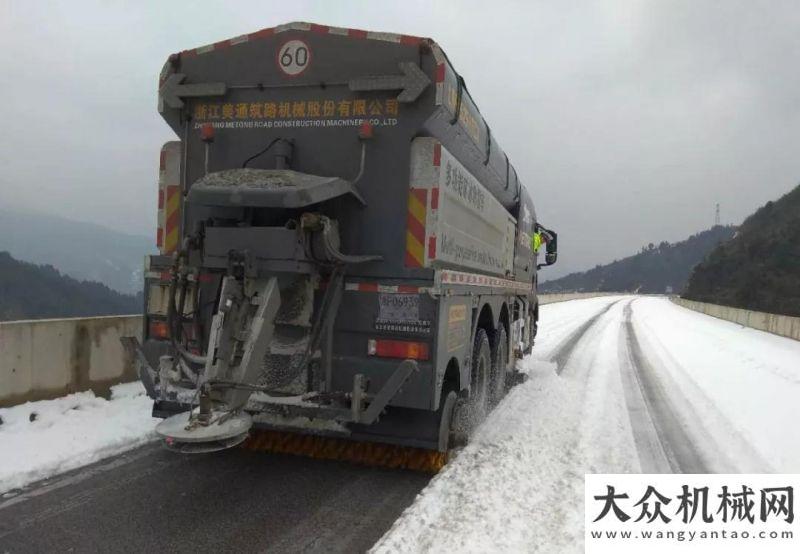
{"x": 29, "y": 291}
{"x": 655, "y": 269}
{"x": 81, "y": 250}
{"x": 760, "y": 268}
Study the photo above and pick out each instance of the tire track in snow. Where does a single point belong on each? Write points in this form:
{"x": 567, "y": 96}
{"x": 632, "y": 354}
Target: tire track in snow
{"x": 566, "y": 348}
{"x": 518, "y": 485}
{"x": 664, "y": 442}
{"x": 661, "y": 434}
{"x": 720, "y": 442}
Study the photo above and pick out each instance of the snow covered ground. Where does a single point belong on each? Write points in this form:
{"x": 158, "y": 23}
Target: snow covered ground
{"x": 647, "y": 386}
{"x": 41, "y": 439}
{"x": 616, "y": 385}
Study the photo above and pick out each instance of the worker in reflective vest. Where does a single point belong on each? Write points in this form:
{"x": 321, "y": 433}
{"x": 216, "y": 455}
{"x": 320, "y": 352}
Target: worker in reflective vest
{"x": 536, "y": 242}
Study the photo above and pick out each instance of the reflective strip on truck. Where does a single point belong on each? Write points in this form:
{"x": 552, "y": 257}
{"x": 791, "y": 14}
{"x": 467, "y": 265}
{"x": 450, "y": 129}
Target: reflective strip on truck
{"x": 444, "y": 279}
{"x": 447, "y": 278}
{"x": 172, "y": 224}
{"x": 169, "y": 198}
{"x": 162, "y": 167}
{"x": 390, "y": 289}
{"x": 314, "y": 28}
{"x": 415, "y": 227}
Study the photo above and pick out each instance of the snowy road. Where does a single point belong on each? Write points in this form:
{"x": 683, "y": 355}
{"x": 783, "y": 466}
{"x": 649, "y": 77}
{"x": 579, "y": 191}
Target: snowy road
{"x": 616, "y": 385}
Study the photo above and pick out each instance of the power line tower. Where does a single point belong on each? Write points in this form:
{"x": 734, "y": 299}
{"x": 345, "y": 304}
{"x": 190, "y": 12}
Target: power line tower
{"x": 716, "y": 215}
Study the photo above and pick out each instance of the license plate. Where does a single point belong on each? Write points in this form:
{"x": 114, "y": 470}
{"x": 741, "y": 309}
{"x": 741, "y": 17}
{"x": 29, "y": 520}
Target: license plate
{"x": 398, "y": 307}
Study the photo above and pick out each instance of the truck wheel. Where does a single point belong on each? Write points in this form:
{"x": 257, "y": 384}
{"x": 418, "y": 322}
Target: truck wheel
{"x": 468, "y": 412}
{"x": 449, "y": 436}
{"x": 477, "y": 404}
{"x": 531, "y": 329}
{"x": 499, "y": 373}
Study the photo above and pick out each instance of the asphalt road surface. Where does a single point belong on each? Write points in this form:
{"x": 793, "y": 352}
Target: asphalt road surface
{"x": 152, "y": 500}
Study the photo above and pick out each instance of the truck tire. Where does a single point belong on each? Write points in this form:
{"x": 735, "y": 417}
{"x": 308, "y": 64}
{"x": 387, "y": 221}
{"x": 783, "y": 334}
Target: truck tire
{"x": 476, "y": 406}
{"x": 499, "y": 374}
{"x": 449, "y": 437}
{"x": 531, "y": 329}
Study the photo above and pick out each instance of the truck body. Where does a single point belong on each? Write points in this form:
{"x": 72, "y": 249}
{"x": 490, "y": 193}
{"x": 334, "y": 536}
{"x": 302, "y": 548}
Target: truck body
{"x": 345, "y": 248}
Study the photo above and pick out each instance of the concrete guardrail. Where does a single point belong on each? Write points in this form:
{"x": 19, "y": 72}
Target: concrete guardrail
{"x": 47, "y": 358}
{"x": 783, "y": 325}
{"x": 563, "y": 297}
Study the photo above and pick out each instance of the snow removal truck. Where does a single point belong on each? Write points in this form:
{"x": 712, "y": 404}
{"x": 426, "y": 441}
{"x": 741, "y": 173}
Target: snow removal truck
{"x": 345, "y": 250}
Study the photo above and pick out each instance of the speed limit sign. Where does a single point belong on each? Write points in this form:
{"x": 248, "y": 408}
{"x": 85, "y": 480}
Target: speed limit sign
{"x": 293, "y": 57}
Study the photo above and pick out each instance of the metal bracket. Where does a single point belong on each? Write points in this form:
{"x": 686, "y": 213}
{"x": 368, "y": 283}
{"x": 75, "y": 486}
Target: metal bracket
{"x": 459, "y": 94}
{"x": 146, "y": 373}
{"x": 388, "y": 391}
{"x": 488, "y": 145}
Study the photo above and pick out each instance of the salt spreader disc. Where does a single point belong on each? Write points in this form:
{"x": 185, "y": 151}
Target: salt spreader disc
{"x": 181, "y": 435}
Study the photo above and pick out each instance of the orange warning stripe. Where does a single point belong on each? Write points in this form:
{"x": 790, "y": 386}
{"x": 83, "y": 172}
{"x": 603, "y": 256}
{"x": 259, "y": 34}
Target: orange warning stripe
{"x": 415, "y": 227}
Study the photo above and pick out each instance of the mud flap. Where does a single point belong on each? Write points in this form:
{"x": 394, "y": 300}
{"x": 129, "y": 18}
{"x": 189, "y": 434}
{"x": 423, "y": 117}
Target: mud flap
{"x": 147, "y": 374}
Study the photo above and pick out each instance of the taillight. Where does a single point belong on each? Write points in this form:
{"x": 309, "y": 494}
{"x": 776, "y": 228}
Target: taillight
{"x": 158, "y": 329}
{"x": 398, "y": 349}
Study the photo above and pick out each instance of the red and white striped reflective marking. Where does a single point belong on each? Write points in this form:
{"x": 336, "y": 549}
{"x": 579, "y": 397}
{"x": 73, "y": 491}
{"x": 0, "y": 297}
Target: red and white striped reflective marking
{"x": 423, "y": 202}
{"x": 434, "y": 205}
{"x": 444, "y": 278}
{"x": 440, "y": 58}
{"x": 320, "y": 29}
{"x": 391, "y": 289}
{"x": 448, "y": 277}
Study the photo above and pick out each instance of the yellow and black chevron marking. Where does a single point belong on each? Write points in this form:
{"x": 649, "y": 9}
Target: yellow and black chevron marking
{"x": 415, "y": 227}
{"x": 172, "y": 219}
{"x": 328, "y": 448}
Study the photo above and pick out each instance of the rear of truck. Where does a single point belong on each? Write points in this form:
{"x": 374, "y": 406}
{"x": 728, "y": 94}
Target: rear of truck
{"x": 305, "y": 244}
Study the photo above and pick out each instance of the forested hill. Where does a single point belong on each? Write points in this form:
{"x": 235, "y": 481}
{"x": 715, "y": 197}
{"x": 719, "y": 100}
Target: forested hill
{"x": 29, "y": 291}
{"x": 760, "y": 268}
{"x": 655, "y": 269}
{"x": 75, "y": 248}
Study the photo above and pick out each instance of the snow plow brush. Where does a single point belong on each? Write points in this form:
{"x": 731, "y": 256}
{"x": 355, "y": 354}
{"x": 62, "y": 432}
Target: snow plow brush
{"x": 331, "y": 448}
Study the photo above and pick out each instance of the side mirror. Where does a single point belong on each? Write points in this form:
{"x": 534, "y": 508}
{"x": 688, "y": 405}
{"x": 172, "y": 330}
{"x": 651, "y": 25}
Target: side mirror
{"x": 551, "y": 252}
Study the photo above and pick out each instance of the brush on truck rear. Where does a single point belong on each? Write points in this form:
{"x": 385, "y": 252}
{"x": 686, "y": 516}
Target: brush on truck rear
{"x": 345, "y": 248}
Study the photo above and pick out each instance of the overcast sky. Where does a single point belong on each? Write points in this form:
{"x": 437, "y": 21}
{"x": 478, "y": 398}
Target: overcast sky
{"x": 627, "y": 121}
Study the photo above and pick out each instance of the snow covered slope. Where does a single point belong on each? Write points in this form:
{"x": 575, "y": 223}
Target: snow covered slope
{"x": 617, "y": 385}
